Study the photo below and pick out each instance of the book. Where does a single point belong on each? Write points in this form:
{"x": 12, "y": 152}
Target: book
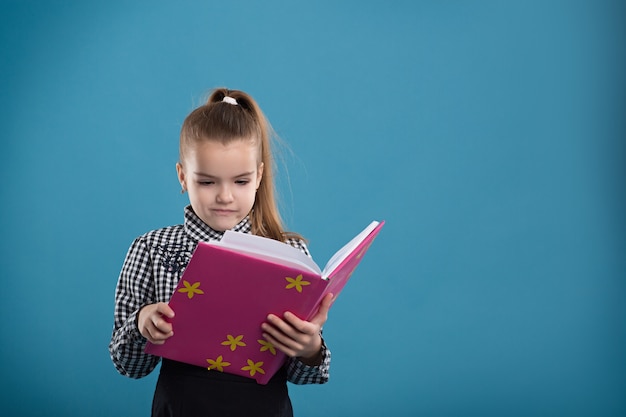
{"x": 230, "y": 286}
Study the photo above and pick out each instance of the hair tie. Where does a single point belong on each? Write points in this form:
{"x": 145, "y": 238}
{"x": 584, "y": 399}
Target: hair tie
{"x": 229, "y": 100}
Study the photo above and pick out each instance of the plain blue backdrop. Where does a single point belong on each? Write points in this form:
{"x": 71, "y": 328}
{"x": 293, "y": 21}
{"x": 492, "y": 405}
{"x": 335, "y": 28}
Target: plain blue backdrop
{"x": 490, "y": 135}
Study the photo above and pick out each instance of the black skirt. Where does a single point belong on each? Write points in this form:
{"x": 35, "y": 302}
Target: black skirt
{"x": 188, "y": 391}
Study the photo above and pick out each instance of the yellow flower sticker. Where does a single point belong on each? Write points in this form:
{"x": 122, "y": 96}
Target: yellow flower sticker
{"x": 190, "y": 289}
{"x": 253, "y": 367}
{"x": 296, "y": 283}
{"x": 265, "y": 345}
{"x": 218, "y": 364}
{"x": 233, "y": 342}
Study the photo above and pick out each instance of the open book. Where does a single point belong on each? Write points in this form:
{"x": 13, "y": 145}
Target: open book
{"x": 228, "y": 289}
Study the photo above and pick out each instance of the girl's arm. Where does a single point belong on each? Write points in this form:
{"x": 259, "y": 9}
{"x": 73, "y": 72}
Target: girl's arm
{"x": 301, "y": 373}
{"x": 135, "y": 289}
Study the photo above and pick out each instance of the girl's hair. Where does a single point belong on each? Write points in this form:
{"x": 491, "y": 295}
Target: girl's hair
{"x": 221, "y": 121}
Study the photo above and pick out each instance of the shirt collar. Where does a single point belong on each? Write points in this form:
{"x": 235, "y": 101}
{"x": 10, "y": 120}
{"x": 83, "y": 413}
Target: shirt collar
{"x": 200, "y": 231}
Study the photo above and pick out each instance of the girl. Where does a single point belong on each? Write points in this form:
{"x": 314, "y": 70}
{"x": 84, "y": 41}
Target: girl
{"x": 226, "y": 168}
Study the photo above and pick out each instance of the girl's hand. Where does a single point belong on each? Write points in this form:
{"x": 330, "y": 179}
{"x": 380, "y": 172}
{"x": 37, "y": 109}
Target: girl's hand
{"x": 296, "y": 337}
{"x": 152, "y": 325}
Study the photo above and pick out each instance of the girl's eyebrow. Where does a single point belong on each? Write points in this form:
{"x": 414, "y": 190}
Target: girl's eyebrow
{"x": 202, "y": 174}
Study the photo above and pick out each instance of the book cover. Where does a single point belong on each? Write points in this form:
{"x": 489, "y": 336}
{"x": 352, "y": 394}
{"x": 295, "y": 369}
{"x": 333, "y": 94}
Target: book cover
{"x": 229, "y": 288}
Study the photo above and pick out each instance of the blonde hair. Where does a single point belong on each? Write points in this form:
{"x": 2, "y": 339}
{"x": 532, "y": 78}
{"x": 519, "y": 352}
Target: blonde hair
{"x": 223, "y": 121}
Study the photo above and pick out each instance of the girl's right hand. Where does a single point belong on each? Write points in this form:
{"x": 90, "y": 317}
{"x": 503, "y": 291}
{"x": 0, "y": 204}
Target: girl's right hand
{"x": 152, "y": 325}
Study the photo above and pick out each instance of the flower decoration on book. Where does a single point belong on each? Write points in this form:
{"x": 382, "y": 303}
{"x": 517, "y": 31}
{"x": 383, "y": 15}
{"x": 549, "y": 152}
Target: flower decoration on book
{"x": 191, "y": 289}
{"x": 254, "y": 367}
{"x": 296, "y": 283}
{"x": 265, "y": 345}
{"x": 218, "y": 364}
{"x": 233, "y": 342}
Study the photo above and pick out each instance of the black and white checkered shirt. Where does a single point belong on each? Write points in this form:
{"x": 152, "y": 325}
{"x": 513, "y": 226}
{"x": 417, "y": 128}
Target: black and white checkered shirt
{"x": 153, "y": 265}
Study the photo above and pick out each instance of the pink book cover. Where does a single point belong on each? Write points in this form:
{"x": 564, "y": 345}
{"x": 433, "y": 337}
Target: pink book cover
{"x": 227, "y": 291}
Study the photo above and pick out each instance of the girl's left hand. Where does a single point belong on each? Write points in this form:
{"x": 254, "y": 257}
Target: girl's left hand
{"x": 296, "y": 337}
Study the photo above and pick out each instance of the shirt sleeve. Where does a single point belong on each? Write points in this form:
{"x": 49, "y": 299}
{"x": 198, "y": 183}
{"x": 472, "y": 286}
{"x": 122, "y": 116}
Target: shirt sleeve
{"x": 135, "y": 289}
{"x": 300, "y": 374}
{"x": 298, "y": 244}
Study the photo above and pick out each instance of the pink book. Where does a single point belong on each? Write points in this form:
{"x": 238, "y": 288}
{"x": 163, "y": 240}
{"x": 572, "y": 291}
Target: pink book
{"x": 229, "y": 288}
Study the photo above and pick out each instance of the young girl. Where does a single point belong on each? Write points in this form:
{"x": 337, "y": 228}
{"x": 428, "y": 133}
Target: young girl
{"x": 226, "y": 168}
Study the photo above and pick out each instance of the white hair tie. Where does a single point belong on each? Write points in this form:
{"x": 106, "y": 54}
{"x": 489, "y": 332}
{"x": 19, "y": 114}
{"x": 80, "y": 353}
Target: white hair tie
{"x": 229, "y": 100}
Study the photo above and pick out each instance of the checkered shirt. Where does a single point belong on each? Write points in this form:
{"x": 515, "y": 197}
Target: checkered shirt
{"x": 153, "y": 266}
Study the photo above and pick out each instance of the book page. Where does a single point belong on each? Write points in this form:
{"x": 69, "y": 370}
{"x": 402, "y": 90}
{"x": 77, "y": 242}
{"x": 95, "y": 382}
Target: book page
{"x": 268, "y": 249}
{"x": 348, "y": 248}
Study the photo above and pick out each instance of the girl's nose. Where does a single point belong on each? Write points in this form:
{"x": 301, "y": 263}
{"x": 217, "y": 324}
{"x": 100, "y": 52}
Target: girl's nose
{"x": 224, "y": 195}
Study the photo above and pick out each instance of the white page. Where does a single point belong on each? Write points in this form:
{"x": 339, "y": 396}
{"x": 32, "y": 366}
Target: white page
{"x": 348, "y": 248}
{"x": 284, "y": 254}
{"x": 268, "y": 249}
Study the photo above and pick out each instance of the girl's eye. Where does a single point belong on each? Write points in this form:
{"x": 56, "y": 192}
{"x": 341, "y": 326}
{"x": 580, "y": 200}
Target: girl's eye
{"x": 242, "y": 182}
{"x": 205, "y": 182}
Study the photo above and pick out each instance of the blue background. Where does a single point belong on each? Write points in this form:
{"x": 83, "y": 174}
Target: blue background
{"x": 490, "y": 135}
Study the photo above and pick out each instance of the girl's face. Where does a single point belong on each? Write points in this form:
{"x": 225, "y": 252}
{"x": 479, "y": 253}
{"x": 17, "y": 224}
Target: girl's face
{"x": 221, "y": 181}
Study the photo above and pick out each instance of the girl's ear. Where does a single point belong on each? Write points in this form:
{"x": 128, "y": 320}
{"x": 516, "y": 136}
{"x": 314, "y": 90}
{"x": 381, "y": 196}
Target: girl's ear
{"x": 259, "y": 175}
{"x": 181, "y": 176}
